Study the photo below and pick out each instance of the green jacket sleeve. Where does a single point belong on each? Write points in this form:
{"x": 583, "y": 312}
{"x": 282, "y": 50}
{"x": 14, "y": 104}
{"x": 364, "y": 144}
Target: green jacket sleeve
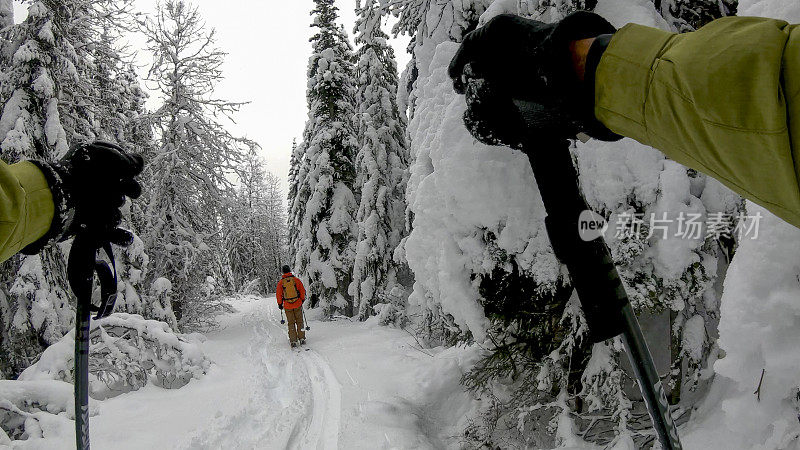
{"x": 26, "y": 207}
{"x": 724, "y": 100}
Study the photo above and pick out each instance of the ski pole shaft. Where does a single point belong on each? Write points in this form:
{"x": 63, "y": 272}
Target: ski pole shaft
{"x": 81, "y": 274}
{"x": 282, "y": 319}
{"x": 303, "y": 311}
{"x": 81, "y": 270}
{"x": 593, "y": 273}
{"x": 649, "y": 382}
{"x": 82, "y": 375}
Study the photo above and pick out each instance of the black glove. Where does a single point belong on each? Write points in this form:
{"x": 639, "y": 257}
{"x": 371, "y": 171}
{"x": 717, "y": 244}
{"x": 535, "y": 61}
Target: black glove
{"x": 494, "y": 118}
{"x": 280, "y": 305}
{"x": 89, "y": 185}
{"x": 527, "y": 60}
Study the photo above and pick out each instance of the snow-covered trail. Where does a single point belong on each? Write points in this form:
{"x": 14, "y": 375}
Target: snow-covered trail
{"x": 290, "y": 400}
{"x": 356, "y": 387}
{"x": 317, "y": 427}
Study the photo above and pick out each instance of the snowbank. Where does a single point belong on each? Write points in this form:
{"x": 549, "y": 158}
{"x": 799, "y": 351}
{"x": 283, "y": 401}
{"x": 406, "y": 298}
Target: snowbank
{"x": 39, "y": 413}
{"x": 759, "y": 331}
{"x": 126, "y": 353}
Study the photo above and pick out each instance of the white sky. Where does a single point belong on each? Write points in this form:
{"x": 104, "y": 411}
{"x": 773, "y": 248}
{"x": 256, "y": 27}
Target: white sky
{"x": 268, "y": 49}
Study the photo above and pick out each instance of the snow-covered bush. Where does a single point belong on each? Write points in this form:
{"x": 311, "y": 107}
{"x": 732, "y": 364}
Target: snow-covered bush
{"x": 201, "y": 311}
{"x": 250, "y": 287}
{"x": 391, "y": 307}
{"x": 126, "y": 352}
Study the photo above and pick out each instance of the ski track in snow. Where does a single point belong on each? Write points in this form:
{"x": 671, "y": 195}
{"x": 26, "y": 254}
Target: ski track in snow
{"x": 321, "y": 431}
{"x": 359, "y": 387}
{"x": 292, "y": 399}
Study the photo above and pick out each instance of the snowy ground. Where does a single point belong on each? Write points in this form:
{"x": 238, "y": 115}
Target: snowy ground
{"x": 359, "y": 386}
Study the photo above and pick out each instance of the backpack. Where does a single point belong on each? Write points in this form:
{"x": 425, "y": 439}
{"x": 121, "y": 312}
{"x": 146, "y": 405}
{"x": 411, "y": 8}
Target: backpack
{"x": 290, "y": 293}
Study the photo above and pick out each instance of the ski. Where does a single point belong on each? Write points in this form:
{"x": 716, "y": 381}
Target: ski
{"x": 592, "y": 270}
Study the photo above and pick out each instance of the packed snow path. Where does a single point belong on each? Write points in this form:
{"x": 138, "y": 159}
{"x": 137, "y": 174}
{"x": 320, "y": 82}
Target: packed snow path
{"x": 291, "y": 399}
{"x": 357, "y": 387}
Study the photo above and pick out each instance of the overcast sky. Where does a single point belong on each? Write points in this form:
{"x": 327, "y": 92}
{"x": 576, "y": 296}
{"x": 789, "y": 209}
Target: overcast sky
{"x": 268, "y": 49}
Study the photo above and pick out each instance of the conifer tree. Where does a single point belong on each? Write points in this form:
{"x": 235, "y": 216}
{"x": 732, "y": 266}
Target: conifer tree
{"x": 297, "y": 198}
{"x": 538, "y": 333}
{"x": 325, "y": 242}
{"x": 66, "y": 81}
{"x": 381, "y": 164}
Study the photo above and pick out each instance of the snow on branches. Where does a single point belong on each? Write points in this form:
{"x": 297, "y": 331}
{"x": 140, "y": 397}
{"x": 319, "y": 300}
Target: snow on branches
{"x": 188, "y": 176}
{"x": 325, "y": 242}
{"x": 381, "y": 165}
{"x": 126, "y": 352}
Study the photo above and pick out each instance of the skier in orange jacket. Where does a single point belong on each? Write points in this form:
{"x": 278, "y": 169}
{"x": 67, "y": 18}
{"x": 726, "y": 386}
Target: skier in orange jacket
{"x": 291, "y": 294}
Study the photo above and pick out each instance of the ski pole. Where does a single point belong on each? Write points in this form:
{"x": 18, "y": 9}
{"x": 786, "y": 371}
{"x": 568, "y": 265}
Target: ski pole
{"x": 592, "y": 270}
{"x": 303, "y": 311}
{"x": 282, "y": 319}
{"x": 81, "y": 269}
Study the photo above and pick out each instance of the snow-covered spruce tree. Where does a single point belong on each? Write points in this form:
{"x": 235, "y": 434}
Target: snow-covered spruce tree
{"x": 298, "y": 169}
{"x": 186, "y": 182}
{"x": 440, "y": 312}
{"x": 325, "y": 240}
{"x": 45, "y": 92}
{"x": 97, "y": 96}
{"x": 381, "y": 167}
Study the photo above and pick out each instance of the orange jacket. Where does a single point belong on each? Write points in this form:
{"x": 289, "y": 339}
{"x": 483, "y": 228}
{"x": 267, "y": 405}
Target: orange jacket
{"x": 291, "y": 304}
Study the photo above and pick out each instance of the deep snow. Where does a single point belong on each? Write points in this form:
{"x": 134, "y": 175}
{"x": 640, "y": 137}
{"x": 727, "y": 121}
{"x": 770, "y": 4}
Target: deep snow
{"x": 360, "y": 386}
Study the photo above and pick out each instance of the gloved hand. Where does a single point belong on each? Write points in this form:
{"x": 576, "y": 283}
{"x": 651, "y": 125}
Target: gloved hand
{"x": 494, "y": 118}
{"x": 280, "y": 306}
{"x": 527, "y": 60}
{"x": 89, "y": 185}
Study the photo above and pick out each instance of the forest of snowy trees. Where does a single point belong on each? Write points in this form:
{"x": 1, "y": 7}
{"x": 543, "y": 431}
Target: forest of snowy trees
{"x": 211, "y": 220}
{"x": 348, "y": 176}
{"x": 481, "y": 269}
{"x": 394, "y": 214}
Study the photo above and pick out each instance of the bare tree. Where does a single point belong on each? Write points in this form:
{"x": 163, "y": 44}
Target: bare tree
{"x": 189, "y": 172}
